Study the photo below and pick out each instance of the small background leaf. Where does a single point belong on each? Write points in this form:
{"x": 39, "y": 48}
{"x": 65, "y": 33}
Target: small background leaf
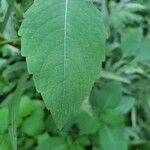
{"x": 109, "y": 136}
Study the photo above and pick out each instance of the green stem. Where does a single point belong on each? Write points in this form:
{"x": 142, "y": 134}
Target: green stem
{"x": 9, "y": 41}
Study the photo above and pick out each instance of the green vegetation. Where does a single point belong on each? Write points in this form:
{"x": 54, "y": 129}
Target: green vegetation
{"x": 75, "y": 75}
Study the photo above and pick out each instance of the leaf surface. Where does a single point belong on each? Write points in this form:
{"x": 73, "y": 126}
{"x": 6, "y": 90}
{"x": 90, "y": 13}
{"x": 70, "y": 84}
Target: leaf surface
{"x": 113, "y": 138}
{"x": 64, "y": 42}
{"x": 126, "y": 104}
{"x": 108, "y": 97}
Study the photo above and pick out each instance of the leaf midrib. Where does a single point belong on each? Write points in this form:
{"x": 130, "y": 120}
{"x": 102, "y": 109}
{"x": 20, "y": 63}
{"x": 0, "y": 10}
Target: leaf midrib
{"x": 65, "y": 44}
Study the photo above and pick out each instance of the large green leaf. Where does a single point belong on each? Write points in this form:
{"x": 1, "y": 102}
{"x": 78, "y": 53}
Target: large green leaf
{"x": 64, "y": 42}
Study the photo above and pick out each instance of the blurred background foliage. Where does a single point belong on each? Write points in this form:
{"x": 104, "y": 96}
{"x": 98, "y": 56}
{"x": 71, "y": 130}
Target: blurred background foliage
{"x": 116, "y": 116}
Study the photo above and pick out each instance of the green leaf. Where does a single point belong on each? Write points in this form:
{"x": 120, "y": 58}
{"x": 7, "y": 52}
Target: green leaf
{"x": 25, "y": 4}
{"x": 34, "y": 124}
{"x": 3, "y": 120}
{"x": 29, "y": 142}
{"x": 112, "y": 117}
{"x": 2, "y": 62}
{"x": 83, "y": 140}
{"x": 126, "y": 104}
{"x": 50, "y": 125}
{"x": 13, "y": 109}
{"x": 6, "y": 10}
{"x": 64, "y": 43}
{"x": 131, "y": 42}
{"x": 26, "y": 106}
{"x": 113, "y": 76}
{"x": 56, "y": 143}
{"x": 76, "y": 147}
{"x": 5, "y": 142}
{"x": 87, "y": 124}
{"x": 108, "y": 97}
{"x": 112, "y": 138}
{"x": 144, "y": 50}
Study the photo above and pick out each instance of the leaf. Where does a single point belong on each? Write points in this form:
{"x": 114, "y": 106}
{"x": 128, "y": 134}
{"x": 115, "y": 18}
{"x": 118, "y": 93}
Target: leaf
{"x": 25, "y": 4}
{"x": 113, "y": 138}
{"x": 31, "y": 128}
{"x": 27, "y": 106}
{"x": 5, "y": 142}
{"x": 131, "y": 133}
{"x": 56, "y": 143}
{"x": 87, "y": 124}
{"x": 113, "y": 118}
{"x": 126, "y": 104}
{"x": 113, "y": 76}
{"x": 131, "y": 42}
{"x": 135, "y": 7}
{"x": 2, "y": 62}
{"x": 13, "y": 70}
{"x": 64, "y": 43}
{"x": 50, "y": 125}
{"x": 3, "y": 120}
{"x": 143, "y": 54}
{"x": 108, "y": 97}
{"x": 13, "y": 110}
{"x": 132, "y": 68}
{"x": 76, "y": 147}
{"x": 6, "y": 9}
{"x": 83, "y": 140}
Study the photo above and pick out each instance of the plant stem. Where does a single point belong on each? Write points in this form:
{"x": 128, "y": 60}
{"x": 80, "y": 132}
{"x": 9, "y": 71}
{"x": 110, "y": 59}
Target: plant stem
{"x": 9, "y": 41}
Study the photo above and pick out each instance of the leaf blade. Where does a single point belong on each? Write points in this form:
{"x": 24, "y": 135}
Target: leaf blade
{"x": 60, "y": 69}
{"x": 112, "y": 138}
